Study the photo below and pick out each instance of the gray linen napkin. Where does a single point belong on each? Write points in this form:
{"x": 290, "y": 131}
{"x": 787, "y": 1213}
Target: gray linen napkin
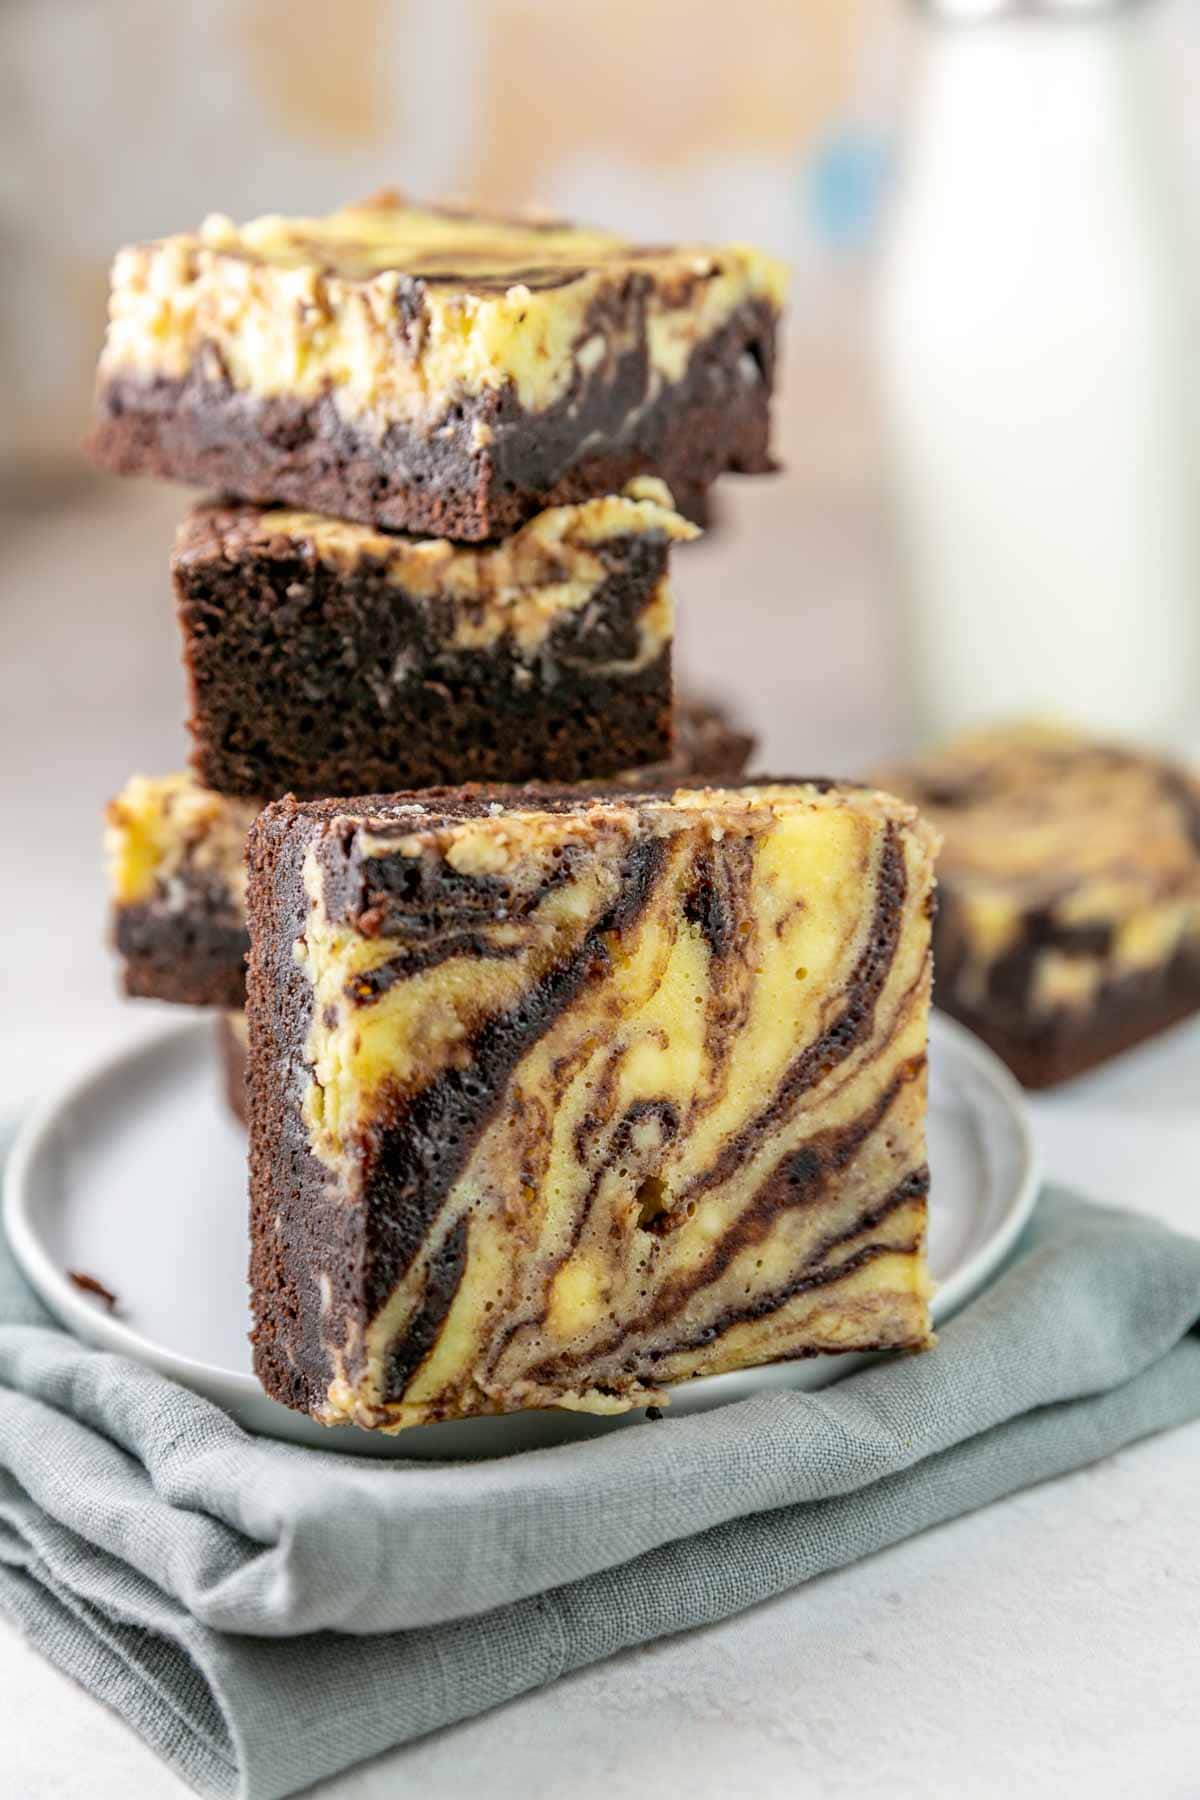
{"x": 266, "y": 1615}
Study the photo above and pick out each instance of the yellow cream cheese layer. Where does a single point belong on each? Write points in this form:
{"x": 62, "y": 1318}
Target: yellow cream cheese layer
{"x": 301, "y": 306}
{"x": 1098, "y": 843}
{"x": 423, "y": 1024}
{"x": 160, "y": 825}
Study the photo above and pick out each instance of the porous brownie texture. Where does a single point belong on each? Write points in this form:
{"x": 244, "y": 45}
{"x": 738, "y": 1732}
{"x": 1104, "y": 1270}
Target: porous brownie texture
{"x": 325, "y": 658}
{"x": 710, "y": 742}
{"x": 715, "y": 421}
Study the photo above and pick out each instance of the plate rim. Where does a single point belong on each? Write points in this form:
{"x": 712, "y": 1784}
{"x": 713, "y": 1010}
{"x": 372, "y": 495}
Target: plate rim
{"x": 102, "y": 1330}
{"x": 967, "y": 1281}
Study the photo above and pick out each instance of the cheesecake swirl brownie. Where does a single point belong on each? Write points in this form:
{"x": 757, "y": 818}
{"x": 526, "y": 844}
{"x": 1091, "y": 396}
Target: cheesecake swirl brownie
{"x": 176, "y": 865}
{"x": 176, "y": 858}
{"x": 1069, "y": 924}
{"x": 435, "y": 370}
{"x": 557, "y": 1099}
{"x": 326, "y": 658}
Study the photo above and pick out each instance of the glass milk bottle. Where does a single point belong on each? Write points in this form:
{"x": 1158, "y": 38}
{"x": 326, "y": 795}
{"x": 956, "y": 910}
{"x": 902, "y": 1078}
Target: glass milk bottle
{"x": 1035, "y": 341}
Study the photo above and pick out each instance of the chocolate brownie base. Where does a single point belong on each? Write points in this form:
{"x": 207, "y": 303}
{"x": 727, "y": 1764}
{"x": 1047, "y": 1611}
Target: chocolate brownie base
{"x": 561, "y": 1098}
{"x": 190, "y": 956}
{"x": 325, "y": 658}
{"x": 488, "y": 465}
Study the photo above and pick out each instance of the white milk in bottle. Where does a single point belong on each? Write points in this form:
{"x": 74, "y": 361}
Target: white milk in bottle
{"x": 1035, "y": 336}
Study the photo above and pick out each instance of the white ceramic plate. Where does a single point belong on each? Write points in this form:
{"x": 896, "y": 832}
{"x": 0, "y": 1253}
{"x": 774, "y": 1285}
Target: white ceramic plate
{"x": 136, "y": 1175}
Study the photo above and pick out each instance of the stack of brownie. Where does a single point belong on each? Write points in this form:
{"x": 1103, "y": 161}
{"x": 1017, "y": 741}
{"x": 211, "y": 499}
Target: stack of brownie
{"x": 563, "y": 1092}
{"x": 520, "y": 390}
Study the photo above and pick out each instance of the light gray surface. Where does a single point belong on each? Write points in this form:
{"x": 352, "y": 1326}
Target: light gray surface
{"x": 990, "y": 1658}
{"x": 84, "y": 1187}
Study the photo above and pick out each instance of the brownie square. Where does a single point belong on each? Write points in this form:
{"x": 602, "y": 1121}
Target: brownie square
{"x": 557, "y": 1099}
{"x": 1069, "y": 920}
{"x": 434, "y": 370}
{"x": 326, "y": 658}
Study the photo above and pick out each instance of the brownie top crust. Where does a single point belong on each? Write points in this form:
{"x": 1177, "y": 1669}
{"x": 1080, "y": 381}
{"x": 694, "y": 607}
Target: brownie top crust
{"x": 394, "y": 308}
{"x": 392, "y": 857}
{"x": 435, "y": 815}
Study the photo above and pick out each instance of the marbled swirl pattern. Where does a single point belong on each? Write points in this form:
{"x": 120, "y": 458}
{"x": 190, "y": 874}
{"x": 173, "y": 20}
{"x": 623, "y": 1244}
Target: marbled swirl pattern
{"x": 582, "y": 1097}
{"x": 395, "y": 309}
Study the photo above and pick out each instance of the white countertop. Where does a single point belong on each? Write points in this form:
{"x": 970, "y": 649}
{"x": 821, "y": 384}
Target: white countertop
{"x": 1047, "y": 1646}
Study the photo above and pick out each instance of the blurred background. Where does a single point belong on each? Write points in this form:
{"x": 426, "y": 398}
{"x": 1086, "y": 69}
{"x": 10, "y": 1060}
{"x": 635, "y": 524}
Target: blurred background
{"x": 987, "y": 419}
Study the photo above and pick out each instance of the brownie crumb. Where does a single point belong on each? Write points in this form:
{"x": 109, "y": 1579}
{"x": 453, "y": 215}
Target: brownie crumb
{"x": 88, "y": 1284}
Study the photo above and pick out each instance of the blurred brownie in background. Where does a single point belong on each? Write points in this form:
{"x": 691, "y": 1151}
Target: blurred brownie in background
{"x": 433, "y": 370}
{"x": 1069, "y": 892}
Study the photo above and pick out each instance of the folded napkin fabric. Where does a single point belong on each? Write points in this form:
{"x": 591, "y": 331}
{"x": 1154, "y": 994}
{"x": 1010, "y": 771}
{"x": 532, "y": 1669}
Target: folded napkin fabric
{"x": 266, "y": 1615}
